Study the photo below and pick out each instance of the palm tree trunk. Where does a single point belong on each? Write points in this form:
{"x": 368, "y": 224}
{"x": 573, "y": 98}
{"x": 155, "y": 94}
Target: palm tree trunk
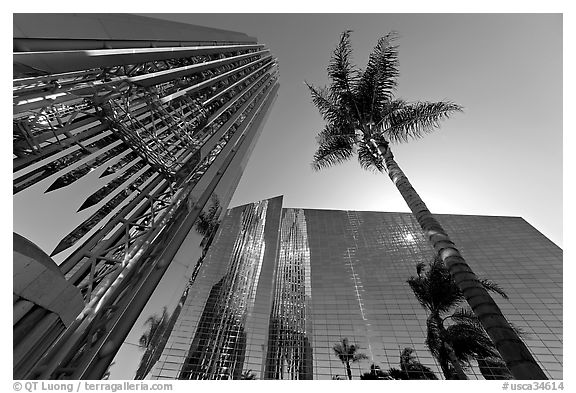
{"x": 348, "y": 371}
{"x": 518, "y": 358}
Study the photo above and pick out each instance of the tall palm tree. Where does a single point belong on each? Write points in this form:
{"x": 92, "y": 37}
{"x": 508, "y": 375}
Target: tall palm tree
{"x": 363, "y": 117}
{"x": 348, "y": 354}
{"x": 454, "y": 336}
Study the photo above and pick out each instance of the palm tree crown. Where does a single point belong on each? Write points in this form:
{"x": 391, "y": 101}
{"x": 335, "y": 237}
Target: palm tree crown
{"x": 361, "y": 111}
{"x": 155, "y": 324}
{"x": 153, "y": 341}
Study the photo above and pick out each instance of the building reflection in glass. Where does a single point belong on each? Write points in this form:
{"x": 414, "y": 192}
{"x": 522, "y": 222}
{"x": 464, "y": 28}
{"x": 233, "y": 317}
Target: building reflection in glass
{"x": 219, "y": 346}
{"x": 280, "y": 287}
{"x": 289, "y": 352}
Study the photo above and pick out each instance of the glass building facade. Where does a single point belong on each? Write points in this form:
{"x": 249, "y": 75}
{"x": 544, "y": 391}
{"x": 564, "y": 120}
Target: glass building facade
{"x": 124, "y": 128}
{"x": 343, "y": 274}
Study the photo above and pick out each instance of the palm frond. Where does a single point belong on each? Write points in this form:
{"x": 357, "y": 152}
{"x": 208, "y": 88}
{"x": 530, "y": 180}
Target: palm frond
{"x": 341, "y": 71}
{"x": 444, "y": 292}
{"x": 378, "y": 81}
{"x": 414, "y": 120}
{"x": 329, "y": 108}
{"x": 492, "y": 286}
{"x": 343, "y": 75}
{"x": 368, "y": 159}
{"x": 203, "y": 224}
{"x": 494, "y": 368}
{"x": 331, "y": 133}
{"x": 213, "y": 213}
{"x": 155, "y": 323}
{"x": 390, "y": 108}
{"x": 434, "y": 340}
{"x": 434, "y": 288}
{"x": 359, "y": 356}
{"x": 470, "y": 340}
{"x": 342, "y": 347}
{"x": 214, "y": 207}
{"x": 464, "y": 315}
{"x": 348, "y": 353}
{"x": 419, "y": 287}
{"x": 207, "y": 221}
{"x": 332, "y": 150}
{"x": 152, "y": 320}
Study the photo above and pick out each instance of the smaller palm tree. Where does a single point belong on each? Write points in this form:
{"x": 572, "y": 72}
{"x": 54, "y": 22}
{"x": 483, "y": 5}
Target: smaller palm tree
{"x": 348, "y": 354}
{"x": 155, "y": 324}
{"x": 454, "y": 336}
{"x": 151, "y": 341}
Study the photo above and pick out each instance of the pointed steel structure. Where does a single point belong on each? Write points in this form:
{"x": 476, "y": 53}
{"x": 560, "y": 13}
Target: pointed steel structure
{"x": 141, "y": 116}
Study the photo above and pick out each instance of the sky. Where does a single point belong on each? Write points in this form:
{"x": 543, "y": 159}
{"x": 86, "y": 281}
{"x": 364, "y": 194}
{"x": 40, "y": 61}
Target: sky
{"x": 501, "y": 156}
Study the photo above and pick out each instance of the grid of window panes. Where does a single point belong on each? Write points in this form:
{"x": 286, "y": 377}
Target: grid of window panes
{"x": 358, "y": 291}
{"x": 289, "y": 348}
{"x": 223, "y": 325}
{"x": 360, "y": 262}
{"x": 342, "y": 275}
{"x": 528, "y": 266}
